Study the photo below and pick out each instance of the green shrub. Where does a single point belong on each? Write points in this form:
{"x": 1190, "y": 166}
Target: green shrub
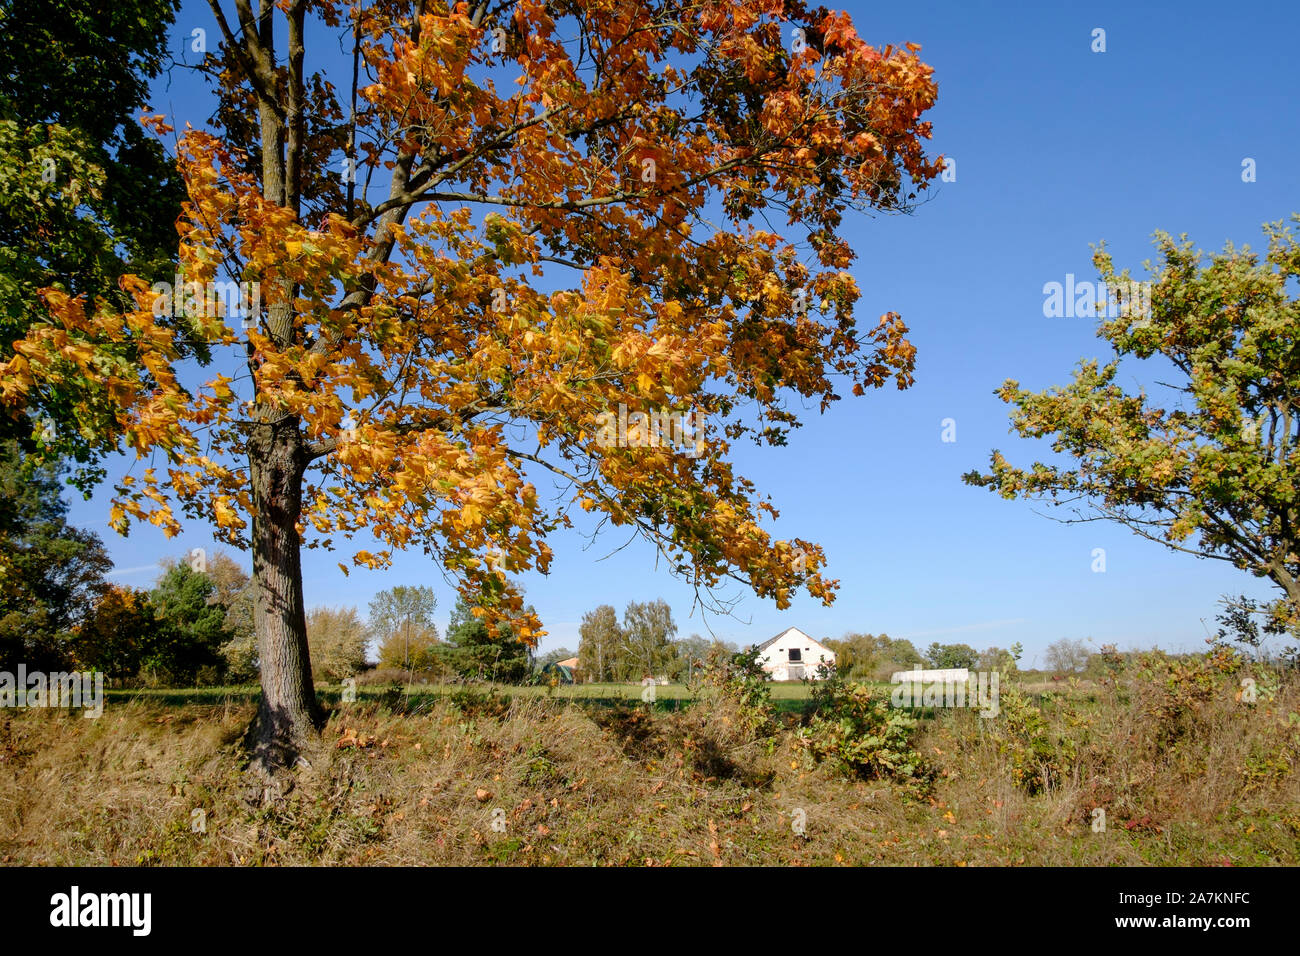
{"x": 741, "y": 681}
{"x": 860, "y": 735}
{"x": 1177, "y": 692}
{"x": 1036, "y": 759}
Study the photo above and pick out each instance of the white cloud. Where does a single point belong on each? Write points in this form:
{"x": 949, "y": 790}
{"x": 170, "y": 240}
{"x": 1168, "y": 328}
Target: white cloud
{"x": 137, "y": 570}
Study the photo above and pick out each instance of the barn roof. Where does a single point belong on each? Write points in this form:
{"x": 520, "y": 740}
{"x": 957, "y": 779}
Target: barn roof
{"x": 770, "y": 641}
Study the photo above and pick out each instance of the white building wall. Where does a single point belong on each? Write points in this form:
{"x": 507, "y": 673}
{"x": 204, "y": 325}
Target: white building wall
{"x": 950, "y": 675}
{"x": 775, "y": 658}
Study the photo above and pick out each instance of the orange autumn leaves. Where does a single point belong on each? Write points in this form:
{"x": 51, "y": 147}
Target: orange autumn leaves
{"x": 547, "y": 230}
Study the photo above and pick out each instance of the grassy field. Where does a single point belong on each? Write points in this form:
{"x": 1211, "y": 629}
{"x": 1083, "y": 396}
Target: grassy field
{"x": 1185, "y": 772}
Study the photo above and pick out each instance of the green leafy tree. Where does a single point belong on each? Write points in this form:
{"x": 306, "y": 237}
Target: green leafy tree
{"x": 646, "y": 648}
{"x": 1208, "y": 467}
{"x": 85, "y": 196}
{"x": 944, "y": 656}
{"x": 689, "y": 653}
{"x": 478, "y": 654}
{"x": 188, "y": 646}
{"x": 1003, "y": 660}
{"x": 51, "y": 574}
{"x": 401, "y": 621}
{"x": 195, "y": 626}
{"x": 600, "y": 639}
{"x": 900, "y": 652}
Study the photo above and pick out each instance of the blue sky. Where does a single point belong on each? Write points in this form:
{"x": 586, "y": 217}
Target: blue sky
{"x": 1056, "y": 147}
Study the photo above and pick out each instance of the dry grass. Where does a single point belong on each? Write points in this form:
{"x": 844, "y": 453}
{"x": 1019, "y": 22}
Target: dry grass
{"x": 1212, "y": 783}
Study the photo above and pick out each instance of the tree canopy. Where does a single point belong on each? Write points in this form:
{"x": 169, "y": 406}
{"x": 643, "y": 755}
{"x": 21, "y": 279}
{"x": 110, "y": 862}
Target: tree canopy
{"x": 517, "y": 220}
{"x": 1213, "y": 469}
{"x": 86, "y": 196}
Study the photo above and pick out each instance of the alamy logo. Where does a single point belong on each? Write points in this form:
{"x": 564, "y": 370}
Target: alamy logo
{"x": 193, "y": 300}
{"x": 658, "y": 428}
{"x": 953, "y": 687}
{"x": 82, "y": 689}
{"x": 134, "y": 910}
{"x": 1070, "y": 300}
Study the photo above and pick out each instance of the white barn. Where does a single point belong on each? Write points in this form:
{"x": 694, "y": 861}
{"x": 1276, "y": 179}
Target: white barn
{"x": 793, "y": 655}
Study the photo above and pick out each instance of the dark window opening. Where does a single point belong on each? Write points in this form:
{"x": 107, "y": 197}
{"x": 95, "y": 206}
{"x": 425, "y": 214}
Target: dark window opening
{"x": 794, "y": 654}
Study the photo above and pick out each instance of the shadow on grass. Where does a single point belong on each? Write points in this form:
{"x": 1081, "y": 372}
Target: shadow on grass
{"x": 421, "y": 697}
{"x": 414, "y": 699}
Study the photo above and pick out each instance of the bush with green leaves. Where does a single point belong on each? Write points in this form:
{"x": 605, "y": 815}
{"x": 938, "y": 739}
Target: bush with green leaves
{"x": 858, "y": 733}
{"x": 740, "y": 680}
{"x": 1038, "y": 759}
{"x": 1177, "y": 691}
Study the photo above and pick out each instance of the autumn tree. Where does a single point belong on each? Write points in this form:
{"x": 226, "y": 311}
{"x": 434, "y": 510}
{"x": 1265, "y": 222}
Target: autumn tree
{"x": 1212, "y": 468}
{"x": 118, "y": 633}
{"x": 1066, "y": 655}
{"x": 337, "y": 638}
{"x": 414, "y": 650}
{"x": 192, "y": 627}
{"x": 509, "y": 222}
{"x": 233, "y": 590}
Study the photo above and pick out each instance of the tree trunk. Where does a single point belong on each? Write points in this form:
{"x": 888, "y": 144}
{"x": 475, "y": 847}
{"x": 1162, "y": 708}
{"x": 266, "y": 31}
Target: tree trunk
{"x": 1282, "y": 576}
{"x": 288, "y": 716}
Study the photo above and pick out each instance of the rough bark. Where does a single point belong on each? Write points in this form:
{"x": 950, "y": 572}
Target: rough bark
{"x": 288, "y": 715}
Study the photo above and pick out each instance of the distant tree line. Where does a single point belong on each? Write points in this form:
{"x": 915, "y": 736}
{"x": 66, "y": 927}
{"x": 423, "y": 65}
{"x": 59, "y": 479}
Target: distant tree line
{"x": 878, "y": 656}
{"x": 59, "y": 610}
{"x": 401, "y": 622}
{"x": 641, "y": 645}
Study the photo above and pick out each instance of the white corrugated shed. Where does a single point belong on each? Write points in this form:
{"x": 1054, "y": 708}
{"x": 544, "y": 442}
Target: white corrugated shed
{"x": 950, "y": 675}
